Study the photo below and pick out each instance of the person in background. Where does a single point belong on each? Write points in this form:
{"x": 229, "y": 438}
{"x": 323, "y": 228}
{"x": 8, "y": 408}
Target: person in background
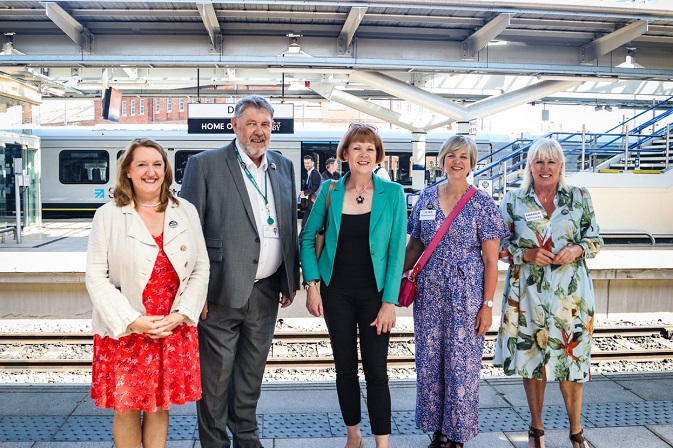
{"x": 309, "y": 188}
{"x": 548, "y": 301}
{"x": 147, "y": 276}
{"x": 245, "y": 197}
{"x": 454, "y": 306}
{"x": 359, "y": 270}
{"x": 330, "y": 172}
{"x": 381, "y": 172}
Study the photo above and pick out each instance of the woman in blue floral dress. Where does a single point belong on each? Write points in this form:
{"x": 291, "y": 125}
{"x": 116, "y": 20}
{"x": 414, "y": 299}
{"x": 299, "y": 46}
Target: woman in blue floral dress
{"x": 453, "y": 309}
{"x": 548, "y": 303}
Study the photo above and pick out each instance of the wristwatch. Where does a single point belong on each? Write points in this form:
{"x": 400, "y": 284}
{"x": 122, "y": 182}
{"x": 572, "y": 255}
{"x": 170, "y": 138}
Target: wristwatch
{"x": 488, "y": 303}
{"x": 309, "y": 284}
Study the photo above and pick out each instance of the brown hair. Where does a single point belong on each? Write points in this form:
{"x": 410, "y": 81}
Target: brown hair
{"x": 124, "y": 193}
{"x": 358, "y": 132}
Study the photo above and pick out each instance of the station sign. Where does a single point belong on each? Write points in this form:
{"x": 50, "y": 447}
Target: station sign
{"x": 216, "y": 118}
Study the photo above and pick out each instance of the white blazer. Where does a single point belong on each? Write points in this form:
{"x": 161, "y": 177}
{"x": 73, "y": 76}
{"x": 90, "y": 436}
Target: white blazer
{"x": 120, "y": 257}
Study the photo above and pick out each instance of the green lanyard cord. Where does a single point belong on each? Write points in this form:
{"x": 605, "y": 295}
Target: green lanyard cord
{"x": 269, "y": 219}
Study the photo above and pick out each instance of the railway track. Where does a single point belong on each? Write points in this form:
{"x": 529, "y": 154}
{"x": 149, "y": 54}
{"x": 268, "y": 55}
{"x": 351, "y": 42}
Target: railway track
{"x": 302, "y": 349}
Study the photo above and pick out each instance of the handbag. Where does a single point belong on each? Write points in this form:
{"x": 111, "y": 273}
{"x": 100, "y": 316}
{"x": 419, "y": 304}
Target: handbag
{"x": 320, "y": 234}
{"x": 408, "y": 288}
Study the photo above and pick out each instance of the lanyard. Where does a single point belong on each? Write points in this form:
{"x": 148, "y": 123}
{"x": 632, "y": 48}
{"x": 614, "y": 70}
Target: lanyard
{"x": 269, "y": 219}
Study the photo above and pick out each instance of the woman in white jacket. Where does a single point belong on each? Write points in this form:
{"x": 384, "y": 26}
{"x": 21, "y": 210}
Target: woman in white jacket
{"x": 147, "y": 276}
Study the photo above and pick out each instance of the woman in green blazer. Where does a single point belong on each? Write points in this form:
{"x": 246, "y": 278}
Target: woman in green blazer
{"x": 360, "y": 269}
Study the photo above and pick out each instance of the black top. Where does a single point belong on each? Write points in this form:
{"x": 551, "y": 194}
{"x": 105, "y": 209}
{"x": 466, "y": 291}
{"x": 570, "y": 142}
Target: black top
{"x": 353, "y": 268}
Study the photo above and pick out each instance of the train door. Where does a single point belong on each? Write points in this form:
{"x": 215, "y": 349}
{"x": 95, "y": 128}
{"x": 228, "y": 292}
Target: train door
{"x": 30, "y": 196}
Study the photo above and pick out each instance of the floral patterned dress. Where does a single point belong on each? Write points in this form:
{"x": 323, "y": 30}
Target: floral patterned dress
{"x": 450, "y": 294}
{"x": 548, "y": 312}
{"x": 136, "y": 372}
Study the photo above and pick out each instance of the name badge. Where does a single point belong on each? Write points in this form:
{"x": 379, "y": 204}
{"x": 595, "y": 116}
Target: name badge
{"x": 270, "y": 231}
{"x": 533, "y": 216}
{"x": 428, "y": 215}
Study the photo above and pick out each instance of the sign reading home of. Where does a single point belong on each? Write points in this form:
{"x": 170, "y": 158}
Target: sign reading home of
{"x": 216, "y": 118}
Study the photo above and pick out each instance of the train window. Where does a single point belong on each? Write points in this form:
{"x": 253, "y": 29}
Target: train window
{"x": 83, "y": 167}
{"x": 181, "y": 158}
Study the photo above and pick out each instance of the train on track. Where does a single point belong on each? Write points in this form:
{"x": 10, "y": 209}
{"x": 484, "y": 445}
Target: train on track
{"x": 78, "y": 165}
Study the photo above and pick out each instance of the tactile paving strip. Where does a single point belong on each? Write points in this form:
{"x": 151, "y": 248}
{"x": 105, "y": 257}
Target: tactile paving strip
{"x": 500, "y": 419}
{"x": 554, "y": 417}
{"x": 406, "y": 423}
{"x": 338, "y": 427}
{"x": 85, "y": 428}
{"x": 181, "y": 427}
{"x": 283, "y": 426}
{"x": 615, "y": 414}
{"x": 37, "y": 429}
{"x": 660, "y": 412}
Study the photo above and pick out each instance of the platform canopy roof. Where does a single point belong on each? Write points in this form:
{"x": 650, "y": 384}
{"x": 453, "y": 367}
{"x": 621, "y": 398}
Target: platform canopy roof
{"x": 460, "y": 50}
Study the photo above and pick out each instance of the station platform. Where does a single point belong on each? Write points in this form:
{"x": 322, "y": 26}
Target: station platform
{"x": 619, "y": 410}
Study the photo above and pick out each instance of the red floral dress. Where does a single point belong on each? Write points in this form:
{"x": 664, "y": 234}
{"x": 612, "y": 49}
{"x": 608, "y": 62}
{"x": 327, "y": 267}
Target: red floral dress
{"x": 136, "y": 372}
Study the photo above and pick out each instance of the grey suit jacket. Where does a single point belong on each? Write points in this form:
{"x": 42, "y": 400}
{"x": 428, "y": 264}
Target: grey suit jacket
{"x": 213, "y": 182}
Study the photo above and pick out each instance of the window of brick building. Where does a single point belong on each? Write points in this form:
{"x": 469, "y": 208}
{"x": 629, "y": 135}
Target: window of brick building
{"x": 123, "y": 108}
{"x": 141, "y": 107}
{"x": 133, "y": 107}
{"x": 169, "y": 104}
{"x": 181, "y": 104}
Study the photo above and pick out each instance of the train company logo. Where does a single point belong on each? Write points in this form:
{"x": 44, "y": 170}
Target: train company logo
{"x": 99, "y": 193}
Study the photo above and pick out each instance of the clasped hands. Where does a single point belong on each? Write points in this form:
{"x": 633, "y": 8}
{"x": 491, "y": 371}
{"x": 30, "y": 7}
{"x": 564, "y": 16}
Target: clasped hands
{"x": 157, "y": 327}
{"x": 543, "y": 257}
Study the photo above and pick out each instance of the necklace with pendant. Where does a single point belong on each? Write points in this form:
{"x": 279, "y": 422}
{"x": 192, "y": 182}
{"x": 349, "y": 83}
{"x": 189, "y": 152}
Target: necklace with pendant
{"x": 360, "y": 199}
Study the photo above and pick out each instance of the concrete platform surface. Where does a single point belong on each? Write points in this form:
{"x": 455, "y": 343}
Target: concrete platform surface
{"x": 619, "y": 410}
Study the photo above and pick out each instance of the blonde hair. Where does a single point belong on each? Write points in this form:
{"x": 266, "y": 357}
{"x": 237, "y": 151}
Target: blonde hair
{"x": 544, "y": 149}
{"x": 457, "y": 143}
{"x": 124, "y": 193}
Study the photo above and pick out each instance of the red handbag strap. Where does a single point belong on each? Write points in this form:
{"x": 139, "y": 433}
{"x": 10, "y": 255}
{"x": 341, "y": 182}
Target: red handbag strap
{"x": 440, "y": 233}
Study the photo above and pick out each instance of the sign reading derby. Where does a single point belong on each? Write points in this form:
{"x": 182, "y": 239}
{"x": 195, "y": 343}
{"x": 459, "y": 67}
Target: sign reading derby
{"x": 216, "y": 118}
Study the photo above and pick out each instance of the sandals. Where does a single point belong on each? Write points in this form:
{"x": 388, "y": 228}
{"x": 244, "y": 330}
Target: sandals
{"x": 438, "y": 440}
{"x": 536, "y": 438}
{"x": 578, "y": 440}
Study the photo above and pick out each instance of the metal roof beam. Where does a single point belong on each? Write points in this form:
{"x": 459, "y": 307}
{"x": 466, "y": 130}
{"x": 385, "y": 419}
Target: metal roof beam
{"x": 480, "y": 38}
{"x": 609, "y": 42}
{"x": 71, "y": 27}
{"x": 409, "y": 122}
{"x": 411, "y": 93}
{"x": 211, "y": 23}
{"x": 509, "y": 100}
{"x": 348, "y": 31}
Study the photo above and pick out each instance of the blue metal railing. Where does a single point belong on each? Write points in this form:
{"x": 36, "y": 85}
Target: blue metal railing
{"x": 513, "y": 155}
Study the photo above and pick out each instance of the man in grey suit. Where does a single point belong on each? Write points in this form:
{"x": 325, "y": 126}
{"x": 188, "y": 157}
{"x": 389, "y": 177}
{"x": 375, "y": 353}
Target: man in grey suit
{"x": 245, "y": 197}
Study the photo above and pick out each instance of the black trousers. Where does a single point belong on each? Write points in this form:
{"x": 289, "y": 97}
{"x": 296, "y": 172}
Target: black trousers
{"x": 346, "y": 311}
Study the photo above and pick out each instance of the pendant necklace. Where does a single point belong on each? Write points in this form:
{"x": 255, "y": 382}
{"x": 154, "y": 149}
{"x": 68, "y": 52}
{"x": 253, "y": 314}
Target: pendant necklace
{"x": 360, "y": 199}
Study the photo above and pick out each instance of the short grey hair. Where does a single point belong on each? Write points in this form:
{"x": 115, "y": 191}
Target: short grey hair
{"x": 457, "y": 143}
{"x": 545, "y": 149}
{"x": 255, "y": 101}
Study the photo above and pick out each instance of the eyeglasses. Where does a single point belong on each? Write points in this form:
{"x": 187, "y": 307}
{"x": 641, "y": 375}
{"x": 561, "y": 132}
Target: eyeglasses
{"x": 364, "y": 125}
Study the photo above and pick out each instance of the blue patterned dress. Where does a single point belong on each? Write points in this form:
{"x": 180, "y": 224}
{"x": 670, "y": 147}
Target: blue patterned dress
{"x": 450, "y": 294}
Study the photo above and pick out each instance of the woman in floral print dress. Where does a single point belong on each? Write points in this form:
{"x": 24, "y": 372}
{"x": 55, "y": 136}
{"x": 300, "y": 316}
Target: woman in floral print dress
{"x": 548, "y": 303}
{"x": 453, "y": 310}
{"x": 147, "y": 276}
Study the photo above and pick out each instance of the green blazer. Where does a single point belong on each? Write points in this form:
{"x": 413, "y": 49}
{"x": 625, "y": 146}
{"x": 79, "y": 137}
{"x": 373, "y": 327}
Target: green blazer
{"x": 387, "y": 235}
